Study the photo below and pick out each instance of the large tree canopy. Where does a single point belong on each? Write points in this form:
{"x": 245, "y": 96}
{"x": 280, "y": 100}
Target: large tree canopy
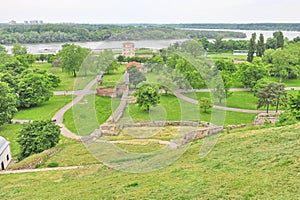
{"x": 250, "y": 73}
{"x": 8, "y": 101}
{"x": 72, "y": 57}
{"x": 37, "y": 136}
{"x": 34, "y": 89}
{"x": 147, "y": 95}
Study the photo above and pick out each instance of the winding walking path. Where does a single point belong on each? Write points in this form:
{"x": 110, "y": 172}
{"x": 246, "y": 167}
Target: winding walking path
{"x": 58, "y": 117}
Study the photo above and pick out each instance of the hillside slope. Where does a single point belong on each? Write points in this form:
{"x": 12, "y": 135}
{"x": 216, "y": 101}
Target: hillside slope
{"x": 260, "y": 164}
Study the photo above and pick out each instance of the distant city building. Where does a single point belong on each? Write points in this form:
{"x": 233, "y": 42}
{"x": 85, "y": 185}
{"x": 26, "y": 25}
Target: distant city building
{"x": 12, "y": 22}
{"x": 128, "y": 50}
{"x": 5, "y": 153}
{"x": 33, "y": 22}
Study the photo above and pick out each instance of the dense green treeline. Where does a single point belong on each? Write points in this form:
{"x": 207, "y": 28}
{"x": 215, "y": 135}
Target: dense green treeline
{"x": 48, "y": 33}
{"x": 251, "y": 26}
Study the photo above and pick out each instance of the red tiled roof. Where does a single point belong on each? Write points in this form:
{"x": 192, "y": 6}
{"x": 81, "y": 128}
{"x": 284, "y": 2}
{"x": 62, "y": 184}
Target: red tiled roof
{"x": 135, "y": 64}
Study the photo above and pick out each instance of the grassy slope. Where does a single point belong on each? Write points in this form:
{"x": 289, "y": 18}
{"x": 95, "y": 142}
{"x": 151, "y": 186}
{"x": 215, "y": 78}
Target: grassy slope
{"x": 261, "y": 164}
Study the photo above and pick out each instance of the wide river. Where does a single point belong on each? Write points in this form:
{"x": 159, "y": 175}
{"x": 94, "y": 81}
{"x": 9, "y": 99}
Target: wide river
{"x": 152, "y": 44}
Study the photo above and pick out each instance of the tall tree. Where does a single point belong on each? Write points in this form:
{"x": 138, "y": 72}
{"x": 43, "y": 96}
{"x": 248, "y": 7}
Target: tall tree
{"x": 261, "y": 47}
{"x": 72, "y": 57}
{"x": 8, "y": 101}
{"x": 220, "y": 87}
{"x": 250, "y": 73}
{"x": 33, "y": 89}
{"x": 252, "y": 47}
{"x": 272, "y": 94}
{"x": 135, "y": 76}
{"x": 279, "y": 39}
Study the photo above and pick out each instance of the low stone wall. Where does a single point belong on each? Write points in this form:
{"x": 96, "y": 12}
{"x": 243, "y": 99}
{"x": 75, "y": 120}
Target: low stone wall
{"x": 262, "y": 118}
{"x": 201, "y": 133}
{"x": 165, "y": 123}
{"x": 210, "y": 129}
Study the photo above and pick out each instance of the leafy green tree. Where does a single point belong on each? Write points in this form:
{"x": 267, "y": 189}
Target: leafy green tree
{"x": 261, "y": 47}
{"x": 225, "y": 65}
{"x": 72, "y": 57}
{"x": 37, "y": 136}
{"x": 250, "y": 73}
{"x": 33, "y": 89}
{"x": 252, "y": 48}
{"x": 8, "y": 103}
{"x": 2, "y": 49}
{"x": 272, "y": 94}
{"x": 135, "y": 76}
{"x": 105, "y": 59}
{"x": 271, "y": 43}
{"x": 284, "y": 63}
{"x": 220, "y": 87}
{"x": 218, "y": 43}
{"x": 278, "y": 36}
{"x": 166, "y": 83}
{"x": 147, "y": 95}
{"x": 205, "y": 104}
{"x": 294, "y": 105}
{"x": 19, "y": 50}
{"x": 112, "y": 67}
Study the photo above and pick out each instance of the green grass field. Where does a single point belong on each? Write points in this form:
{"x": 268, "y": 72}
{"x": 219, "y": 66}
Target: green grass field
{"x": 257, "y": 164}
{"x": 172, "y": 108}
{"x": 90, "y": 115}
{"x": 111, "y": 80}
{"x": 45, "y": 111}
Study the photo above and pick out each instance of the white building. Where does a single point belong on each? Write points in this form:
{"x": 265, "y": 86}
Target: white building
{"x": 5, "y": 154}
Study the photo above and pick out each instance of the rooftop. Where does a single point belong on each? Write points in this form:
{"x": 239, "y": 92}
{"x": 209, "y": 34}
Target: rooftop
{"x": 3, "y": 144}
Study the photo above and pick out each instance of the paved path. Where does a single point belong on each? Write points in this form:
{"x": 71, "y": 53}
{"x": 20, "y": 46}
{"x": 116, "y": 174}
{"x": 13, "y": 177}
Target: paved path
{"x": 193, "y": 101}
{"x": 58, "y": 117}
{"x": 39, "y": 170}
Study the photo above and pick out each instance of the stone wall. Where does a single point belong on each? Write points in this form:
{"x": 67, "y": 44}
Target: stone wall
{"x": 201, "y": 133}
{"x": 262, "y": 118}
{"x": 166, "y": 123}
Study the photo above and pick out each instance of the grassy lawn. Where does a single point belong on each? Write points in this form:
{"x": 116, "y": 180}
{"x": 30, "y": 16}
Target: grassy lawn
{"x": 84, "y": 118}
{"x": 111, "y": 80}
{"x": 67, "y": 80}
{"x": 258, "y": 164}
{"x": 288, "y": 83}
{"x": 171, "y": 108}
{"x": 45, "y": 111}
{"x": 241, "y": 99}
{"x": 9, "y": 132}
{"x": 226, "y": 56}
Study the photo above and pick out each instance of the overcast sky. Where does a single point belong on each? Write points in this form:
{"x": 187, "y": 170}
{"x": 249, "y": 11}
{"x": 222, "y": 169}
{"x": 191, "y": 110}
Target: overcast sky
{"x": 151, "y": 11}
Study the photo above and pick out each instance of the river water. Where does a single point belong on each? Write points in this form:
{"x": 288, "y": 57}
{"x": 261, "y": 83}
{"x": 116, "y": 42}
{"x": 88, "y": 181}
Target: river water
{"x": 152, "y": 44}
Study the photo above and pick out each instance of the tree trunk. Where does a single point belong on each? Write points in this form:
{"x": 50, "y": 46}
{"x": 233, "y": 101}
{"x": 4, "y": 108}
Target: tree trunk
{"x": 277, "y": 105}
{"x": 267, "y": 108}
{"x": 74, "y": 72}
